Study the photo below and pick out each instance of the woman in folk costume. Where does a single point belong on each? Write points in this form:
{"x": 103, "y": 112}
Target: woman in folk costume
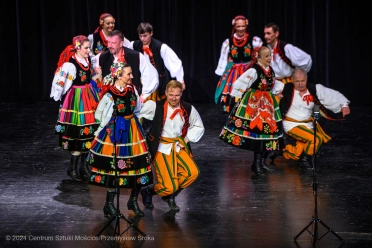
{"x": 98, "y": 40}
{"x": 234, "y": 61}
{"x": 76, "y": 123}
{"x": 255, "y": 122}
{"x": 119, "y": 127}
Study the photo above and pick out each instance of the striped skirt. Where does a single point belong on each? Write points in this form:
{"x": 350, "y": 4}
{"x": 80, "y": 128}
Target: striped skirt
{"x": 131, "y": 159}
{"x": 76, "y": 123}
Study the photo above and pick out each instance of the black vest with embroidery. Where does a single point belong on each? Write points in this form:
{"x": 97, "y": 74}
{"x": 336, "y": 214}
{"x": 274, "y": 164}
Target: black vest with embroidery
{"x": 125, "y": 104}
{"x": 164, "y": 74}
{"x": 82, "y": 77}
{"x": 241, "y": 54}
{"x": 286, "y": 101}
{"x": 131, "y": 57}
{"x": 257, "y": 84}
{"x": 153, "y": 138}
{"x": 98, "y": 45}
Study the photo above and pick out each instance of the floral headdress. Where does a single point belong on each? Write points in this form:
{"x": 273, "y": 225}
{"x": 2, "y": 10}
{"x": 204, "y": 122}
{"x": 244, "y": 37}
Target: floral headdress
{"x": 116, "y": 70}
{"x": 70, "y": 50}
{"x": 239, "y": 17}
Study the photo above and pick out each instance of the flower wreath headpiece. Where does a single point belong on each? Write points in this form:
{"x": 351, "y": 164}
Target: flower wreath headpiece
{"x": 239, "y": 17}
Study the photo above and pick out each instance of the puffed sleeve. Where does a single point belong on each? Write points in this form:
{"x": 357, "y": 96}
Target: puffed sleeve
{"x": 104, "y": 111}
{"x": 149, "y": 76}
{"x": 244, "y": 82}
{"x": 196, "y": 128}
{"x": 298, "y": 57}
{"x": 222, "y": 62}
{"x": 148, "y": 110}
{"x": 62, "y": 80}
{"x": 331, "y": 99}
{"x": 172, "y": 62}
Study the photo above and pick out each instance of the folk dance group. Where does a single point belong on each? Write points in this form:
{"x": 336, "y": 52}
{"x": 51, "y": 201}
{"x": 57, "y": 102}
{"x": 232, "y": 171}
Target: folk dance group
{"x": 122, "y": 117}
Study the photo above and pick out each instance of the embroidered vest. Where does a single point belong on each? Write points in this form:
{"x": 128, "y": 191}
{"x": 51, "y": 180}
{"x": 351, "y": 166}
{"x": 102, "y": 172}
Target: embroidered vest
{"x": 98, "y": 45}
{"x": 241, "y": 54}
{"x": 82, "y": 77}
{"x": 263, "y": 82}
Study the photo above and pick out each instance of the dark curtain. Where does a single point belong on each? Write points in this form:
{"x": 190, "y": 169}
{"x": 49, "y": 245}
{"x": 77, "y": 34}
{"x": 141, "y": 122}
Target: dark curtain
{"x": 34, "y": 33}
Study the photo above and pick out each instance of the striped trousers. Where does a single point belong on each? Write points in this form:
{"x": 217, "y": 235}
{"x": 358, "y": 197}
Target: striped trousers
{"x": 174, "y": 171}
{"x": 305, "y": 141}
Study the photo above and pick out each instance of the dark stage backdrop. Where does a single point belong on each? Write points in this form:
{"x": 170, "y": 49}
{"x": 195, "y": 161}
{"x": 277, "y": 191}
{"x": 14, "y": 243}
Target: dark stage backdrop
{"x": 34, "y": 33}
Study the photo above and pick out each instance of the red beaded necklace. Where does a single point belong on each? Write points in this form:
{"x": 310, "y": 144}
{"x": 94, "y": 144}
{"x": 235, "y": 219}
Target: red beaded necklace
{"x": 240, "y": 42}
{"x": 80, "y": 64}
{"x": 103, "y": 38}
{"x": 267, "y": 73}
{"x": 116, "y": 91}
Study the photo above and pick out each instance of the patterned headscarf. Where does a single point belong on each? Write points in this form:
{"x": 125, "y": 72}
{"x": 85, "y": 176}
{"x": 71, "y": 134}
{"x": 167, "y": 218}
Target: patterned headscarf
{"x": 70, "y": 50}
{"x": 103, "y": 16}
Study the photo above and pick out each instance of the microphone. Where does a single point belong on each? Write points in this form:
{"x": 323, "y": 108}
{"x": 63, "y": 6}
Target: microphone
{"x": 316, "y": 112}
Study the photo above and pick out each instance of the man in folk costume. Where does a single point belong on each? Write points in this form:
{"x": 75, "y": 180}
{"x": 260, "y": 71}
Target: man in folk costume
{"x": 297, "y": 104}
{"x": 175, "y": 123}
{"x": 145, "y": 77}
{"x": 161, "y": 56}
{"x": 285, "y": 56}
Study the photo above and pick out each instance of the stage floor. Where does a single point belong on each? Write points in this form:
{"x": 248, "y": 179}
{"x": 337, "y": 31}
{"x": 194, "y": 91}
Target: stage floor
{"x": 228, "y": 206}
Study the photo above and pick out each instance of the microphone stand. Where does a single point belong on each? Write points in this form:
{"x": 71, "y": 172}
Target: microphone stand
{"x": 118, "y": 215}
{"x": 315, "y": 220}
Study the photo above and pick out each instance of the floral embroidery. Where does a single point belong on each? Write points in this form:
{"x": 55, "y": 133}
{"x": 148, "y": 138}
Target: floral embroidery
{"x": 236, "y": 140}
{"x": 88, "y": 145}
{"x": 121, "y": 104}
{"x": 60, "y": 83}
{"x": 143, "y": 180}
{"x": 59, "y": 128}
{"x": 238, "y": 123}
{"x": 83, "y": 76}
{"x": 123, "y": 181}
{"x": 86, "y": 131}
{"x": 121, "y": 164}
{"x": 65, "y": 145}
{"x": 91, "y": 158}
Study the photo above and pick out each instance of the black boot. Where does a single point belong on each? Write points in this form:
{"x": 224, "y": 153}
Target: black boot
{"x": 133, "y": 205}
{"x": 147, "y": 193}
{"x": 73, "y": 171}
{"x": 272, "y": 155}
{"x": 263, "y": 163}
{"x": 256, "y": 165}
{"x": 84, "y": 168}
{"x": 306, "y": 162}
{"x": 109, "y": 209}
{"x": 171, "y": 200}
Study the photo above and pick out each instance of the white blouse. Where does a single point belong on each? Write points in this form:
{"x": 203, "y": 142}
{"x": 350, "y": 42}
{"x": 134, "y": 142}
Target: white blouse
{"x": 173, "y": 128}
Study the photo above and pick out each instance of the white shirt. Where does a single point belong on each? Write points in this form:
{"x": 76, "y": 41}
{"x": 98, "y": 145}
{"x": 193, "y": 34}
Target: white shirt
{"x": 170, "y": 58}
{"x": 301, "y": 111}
{"x": 298, "y": 58}
{"x": 173, "y": 128}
